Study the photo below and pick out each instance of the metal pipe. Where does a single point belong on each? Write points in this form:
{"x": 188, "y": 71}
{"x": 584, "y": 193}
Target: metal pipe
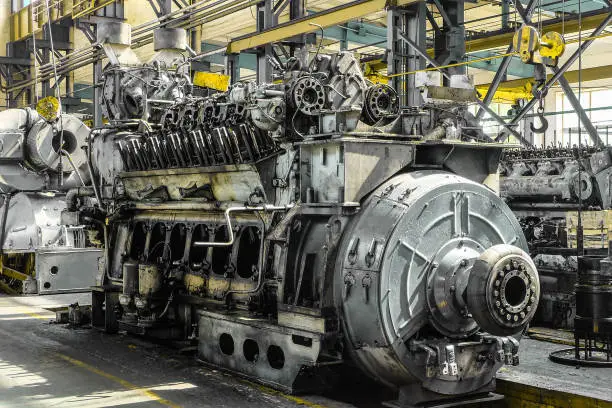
{"x": 106, "y": 251}
{"x": 230, "y": 242}
{"x": 7, "y": 201}
{"x": 228, "y": 220}
{"x": 64, "y": 152}
{"x": 90, "y": 169}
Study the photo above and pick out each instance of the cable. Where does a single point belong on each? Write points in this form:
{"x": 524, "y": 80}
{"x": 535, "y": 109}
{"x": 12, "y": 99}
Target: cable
{"x": 457, "y": 64}
{"x": 35, "y": 98}
{"x": 60, "y": 170}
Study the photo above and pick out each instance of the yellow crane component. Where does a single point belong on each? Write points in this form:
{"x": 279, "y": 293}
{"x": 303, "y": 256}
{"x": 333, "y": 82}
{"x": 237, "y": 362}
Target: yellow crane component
{"x": 211, "y": 80}
{"x": 48, "y": 108}
{"x": 536, "y": 49}
{"x": 508, "y": 94}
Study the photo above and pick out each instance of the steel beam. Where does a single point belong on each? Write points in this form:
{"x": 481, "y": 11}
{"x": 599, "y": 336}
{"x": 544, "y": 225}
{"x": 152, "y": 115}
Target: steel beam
{"x": 423, "y": 53}
{"x": 303, "y": 25}
{"x": 585, "y": 75}
{"x": 355, "y": 10}
{"x": 503, "y": 135}
{"x": 505, "y": 63}
{"x": 584, "y": 118}
{"x": 502, "y": 38}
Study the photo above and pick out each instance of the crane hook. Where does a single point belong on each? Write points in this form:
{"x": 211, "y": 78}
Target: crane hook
{"x": 543, "y": 121}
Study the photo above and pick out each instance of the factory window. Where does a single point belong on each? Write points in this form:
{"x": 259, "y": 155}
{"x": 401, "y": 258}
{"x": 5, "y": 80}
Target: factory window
{"x": 597, "y": 106}
{"x": 490, "y": 125}
{"x": 17, "y": 5}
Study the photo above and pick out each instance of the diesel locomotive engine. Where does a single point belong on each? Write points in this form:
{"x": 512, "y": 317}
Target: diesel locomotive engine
{"x": 545, "y": 188}
{"x": 287, "y": 229}
{"x": 41, "y": 169}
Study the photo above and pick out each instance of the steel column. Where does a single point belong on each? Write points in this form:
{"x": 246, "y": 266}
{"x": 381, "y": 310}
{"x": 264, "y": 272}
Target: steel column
{"x": 406, "y": 26}
{"x": 265, "y": 19}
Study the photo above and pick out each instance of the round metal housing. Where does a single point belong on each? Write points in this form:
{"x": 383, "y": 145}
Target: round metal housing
{"x": 407, "y": 262}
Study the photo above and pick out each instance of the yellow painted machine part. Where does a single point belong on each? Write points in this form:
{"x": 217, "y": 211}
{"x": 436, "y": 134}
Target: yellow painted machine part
{"x": 211, "y": 80}
{"x": 48, "y": 108}
{"x": 9, "y": 263}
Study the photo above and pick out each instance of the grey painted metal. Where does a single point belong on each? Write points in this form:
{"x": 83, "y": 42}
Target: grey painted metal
{"x": 30, "y": 150}
{"x": 421, "y": 52}
{"x": 170, "y": 38}
{"x": 418, "y": 255}
{"x": 113, "y": 32}
{"x": 449, "y": 44}
{"x": 443, "y": 12}
{"x": 62, "y": 270}
{"x": 545, "y": 187}
{"x": 265, "y": 19}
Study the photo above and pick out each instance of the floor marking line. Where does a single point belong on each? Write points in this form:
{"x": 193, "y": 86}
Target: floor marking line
{"x": 126, "y": 384}
{"x": 38, "y": 316}
{"x": 292, "y": 398}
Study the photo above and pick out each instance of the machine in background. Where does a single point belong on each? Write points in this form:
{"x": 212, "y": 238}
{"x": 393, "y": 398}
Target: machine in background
{"x": 42, "y": 167}
{"x": 545, "y": 188}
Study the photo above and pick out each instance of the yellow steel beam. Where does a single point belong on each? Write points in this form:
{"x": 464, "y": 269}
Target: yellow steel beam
{"x": 12, "y": 273}
{"x": 327, "y": 18}
{"x": 586, "y": 74}
{"x": 521, "y": 88}
{"x": 342, "y": 14}
{"x": 570, "y": 26}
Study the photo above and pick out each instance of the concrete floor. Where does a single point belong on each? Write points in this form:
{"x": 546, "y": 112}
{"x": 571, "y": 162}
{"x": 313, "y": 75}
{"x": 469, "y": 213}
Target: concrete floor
{"x": 49, "y": 365}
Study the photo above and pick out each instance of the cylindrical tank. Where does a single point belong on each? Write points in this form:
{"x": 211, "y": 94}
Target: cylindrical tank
{"x": 431, "y": 262}
{"x": 30, "y": 151}
{"x": 594, "y": 295}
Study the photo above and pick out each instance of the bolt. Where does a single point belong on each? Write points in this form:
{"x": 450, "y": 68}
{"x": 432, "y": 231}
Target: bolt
{"x": 464, "y": 262}
{"x": 497, "y": 283}
{"x": 496, "y": 293}
{"x": 522, "y": 315}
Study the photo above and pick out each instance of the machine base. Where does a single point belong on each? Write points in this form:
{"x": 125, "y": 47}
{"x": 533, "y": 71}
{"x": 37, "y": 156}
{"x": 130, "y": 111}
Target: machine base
{"x": 286, "y": 359}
